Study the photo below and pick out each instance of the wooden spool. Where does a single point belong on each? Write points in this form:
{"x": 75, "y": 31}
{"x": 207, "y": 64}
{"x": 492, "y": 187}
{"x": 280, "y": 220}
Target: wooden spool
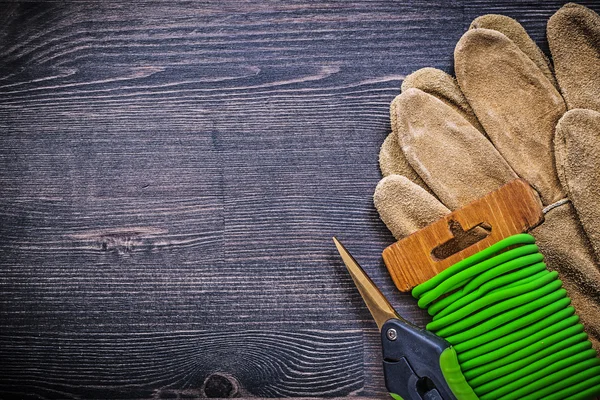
{"x": 514, "y": 208}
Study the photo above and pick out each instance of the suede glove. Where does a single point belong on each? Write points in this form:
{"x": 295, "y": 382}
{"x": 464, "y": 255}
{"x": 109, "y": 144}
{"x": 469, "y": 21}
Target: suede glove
{"x": 508, "y": 114}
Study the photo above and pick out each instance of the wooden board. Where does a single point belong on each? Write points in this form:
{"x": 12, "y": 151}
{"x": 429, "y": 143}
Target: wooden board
{"x": 513, "y": 208}
{"x": 171, "y": 174}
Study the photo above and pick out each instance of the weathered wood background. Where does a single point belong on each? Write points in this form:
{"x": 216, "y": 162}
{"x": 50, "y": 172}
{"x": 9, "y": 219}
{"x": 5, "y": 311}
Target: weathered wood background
{"x": 171, "y": 175}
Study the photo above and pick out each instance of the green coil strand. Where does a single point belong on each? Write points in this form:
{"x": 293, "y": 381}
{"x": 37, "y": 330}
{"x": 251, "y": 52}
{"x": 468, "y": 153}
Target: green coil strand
{"x": 511, "y": 324}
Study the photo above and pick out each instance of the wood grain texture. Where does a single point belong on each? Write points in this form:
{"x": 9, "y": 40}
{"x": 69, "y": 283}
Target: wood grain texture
{"x": 171, "y": 174}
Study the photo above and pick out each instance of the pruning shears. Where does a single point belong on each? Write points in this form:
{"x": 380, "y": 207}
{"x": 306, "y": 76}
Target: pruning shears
{"x": 417, "y": 364}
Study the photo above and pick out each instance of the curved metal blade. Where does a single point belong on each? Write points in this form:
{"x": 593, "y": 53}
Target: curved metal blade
{"x": 380, "y": 308}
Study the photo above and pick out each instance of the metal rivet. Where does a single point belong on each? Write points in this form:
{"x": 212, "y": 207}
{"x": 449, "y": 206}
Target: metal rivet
{"x": 392, "y": 334}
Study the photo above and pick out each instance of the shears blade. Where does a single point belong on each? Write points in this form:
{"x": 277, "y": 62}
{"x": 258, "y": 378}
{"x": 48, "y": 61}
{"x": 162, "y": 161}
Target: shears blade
{"x": 378, "y": 305}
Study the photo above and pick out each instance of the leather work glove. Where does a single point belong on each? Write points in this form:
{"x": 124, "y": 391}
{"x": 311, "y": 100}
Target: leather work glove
{"x": 508, "y": 114}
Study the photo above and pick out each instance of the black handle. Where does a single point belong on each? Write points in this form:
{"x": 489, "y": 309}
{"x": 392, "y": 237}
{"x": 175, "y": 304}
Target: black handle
{"x": 411, "y": 362}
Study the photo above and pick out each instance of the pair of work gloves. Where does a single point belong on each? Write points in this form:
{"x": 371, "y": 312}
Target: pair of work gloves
{"x": 509, "y": 113}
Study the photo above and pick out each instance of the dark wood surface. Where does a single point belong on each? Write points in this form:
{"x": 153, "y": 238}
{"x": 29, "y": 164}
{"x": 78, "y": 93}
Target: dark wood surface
{"x": 171, "y": 175}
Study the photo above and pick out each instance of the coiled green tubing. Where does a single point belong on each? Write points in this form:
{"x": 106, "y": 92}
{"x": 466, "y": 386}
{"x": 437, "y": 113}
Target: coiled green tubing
{"x": 511, "y": 324}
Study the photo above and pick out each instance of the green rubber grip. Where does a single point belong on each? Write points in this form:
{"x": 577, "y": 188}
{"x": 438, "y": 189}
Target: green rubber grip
{"x": 454, "y": 377}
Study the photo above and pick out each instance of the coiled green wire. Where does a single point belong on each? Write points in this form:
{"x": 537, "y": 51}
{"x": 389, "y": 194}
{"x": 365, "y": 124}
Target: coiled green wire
{"x": 511, "y": 324}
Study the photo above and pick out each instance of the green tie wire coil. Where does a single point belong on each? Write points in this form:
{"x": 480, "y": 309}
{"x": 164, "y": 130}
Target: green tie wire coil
{"x": 511, "y": 324}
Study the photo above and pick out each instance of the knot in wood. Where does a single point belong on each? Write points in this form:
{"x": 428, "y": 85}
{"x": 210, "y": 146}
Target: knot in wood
{"x": 219, "y": 385}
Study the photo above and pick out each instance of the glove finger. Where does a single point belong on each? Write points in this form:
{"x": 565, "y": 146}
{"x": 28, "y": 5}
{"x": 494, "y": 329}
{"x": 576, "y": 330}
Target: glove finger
{"x": 574, "y": 40}
{"x": 453, "y": 158}
{"x": 577, "y": 146}
{"x": 393, "y": 162}
{"x": 404, "y": 206}
{"x": 391, "y": 157}
{"x": 515, "y": 32}
{"x": 441, "y": 85}
{"x": 515, "y": 103}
